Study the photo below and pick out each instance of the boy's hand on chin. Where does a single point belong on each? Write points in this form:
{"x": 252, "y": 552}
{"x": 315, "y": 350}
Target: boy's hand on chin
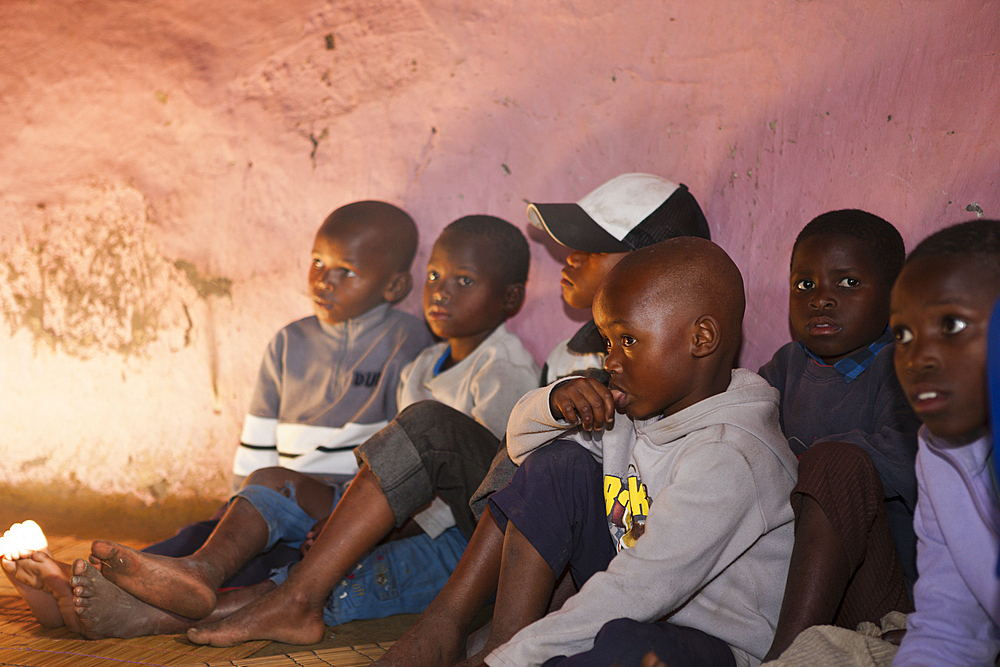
{"x": 584, "y": 402}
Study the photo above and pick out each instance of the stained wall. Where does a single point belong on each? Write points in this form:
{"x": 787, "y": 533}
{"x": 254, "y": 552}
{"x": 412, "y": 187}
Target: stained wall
{"x": 163, "y": 166}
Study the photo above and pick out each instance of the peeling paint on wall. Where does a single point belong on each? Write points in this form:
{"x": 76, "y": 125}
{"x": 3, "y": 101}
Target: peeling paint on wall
{"x": 89, "y": 280}
{"x": 205, "y": 287}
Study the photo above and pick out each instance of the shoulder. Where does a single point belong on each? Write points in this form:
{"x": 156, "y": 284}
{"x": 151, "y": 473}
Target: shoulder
{"x": 775, "y": 370}
{"x": 745, "y": 418}
{"x": 504, "y": 347}
{"x": 307, "y": 328}
{"x": 408, "y": 326}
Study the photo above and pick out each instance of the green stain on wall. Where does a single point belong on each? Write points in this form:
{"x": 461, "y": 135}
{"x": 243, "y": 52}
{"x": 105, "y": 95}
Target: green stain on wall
{"x": 88, "y": 282}
{"x": 205, "y": 287}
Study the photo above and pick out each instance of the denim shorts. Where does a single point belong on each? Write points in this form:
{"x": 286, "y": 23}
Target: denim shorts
{"x": 398, "y": 577}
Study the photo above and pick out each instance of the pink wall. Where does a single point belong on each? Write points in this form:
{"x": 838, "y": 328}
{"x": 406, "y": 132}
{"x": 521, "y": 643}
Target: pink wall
{"x": 163, "y": 166}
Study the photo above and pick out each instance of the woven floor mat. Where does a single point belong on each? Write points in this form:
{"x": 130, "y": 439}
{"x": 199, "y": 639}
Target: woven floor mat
{"x": 24, "y": 643}
{"x": 353, "y": 656}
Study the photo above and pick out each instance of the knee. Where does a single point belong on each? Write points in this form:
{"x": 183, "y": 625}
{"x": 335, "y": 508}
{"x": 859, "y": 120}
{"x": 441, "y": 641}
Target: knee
{"x": 620, "y": 631}
{"x": 560, "y": 456}
{"x": 841, "y": 461}
{"x": 281, "y": 480}
{"x": 426, "y": 412}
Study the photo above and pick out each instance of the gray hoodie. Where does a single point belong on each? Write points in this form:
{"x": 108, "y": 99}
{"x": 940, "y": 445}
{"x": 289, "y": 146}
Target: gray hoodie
{"x": 710, "y": 484}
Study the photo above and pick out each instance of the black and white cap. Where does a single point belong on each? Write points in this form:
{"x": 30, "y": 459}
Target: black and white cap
{"x": 628, "y": 212}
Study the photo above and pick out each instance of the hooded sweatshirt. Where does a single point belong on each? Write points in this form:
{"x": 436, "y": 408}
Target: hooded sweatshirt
{"x": 957, "y": 596}
{"x": 709, "y": 485}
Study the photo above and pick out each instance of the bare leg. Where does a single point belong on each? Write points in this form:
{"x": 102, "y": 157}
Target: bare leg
{"x": 523, "y": 592}
{"x": 105, "y": 610}
{"x": 652, "y": 660}
{"x": 44, "y": 584}
{"x": 437, "y": 638}
{"x": 818, "y": 575}
{"x": 187, "y": 586}
{"x": 293, "y": 612}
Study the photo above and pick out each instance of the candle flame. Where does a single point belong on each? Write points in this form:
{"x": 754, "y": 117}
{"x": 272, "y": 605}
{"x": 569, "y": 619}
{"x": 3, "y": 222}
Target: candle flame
{"x": 21, "y": 539}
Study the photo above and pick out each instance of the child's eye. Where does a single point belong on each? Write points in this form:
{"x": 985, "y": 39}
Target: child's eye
{"x": 432, "y": 276}
{"x": 849, "y": 282}
{"x": 803, "y": 285}
{"x": 627, "y": 341}
{"x": 953, "y": 325}
{"x": 317, "y": 263}
{"x": 464, "y": 281}
{"x": 902, "y": 335}
{"x": 607, "y": 344}
{"x": 349, "y": 273}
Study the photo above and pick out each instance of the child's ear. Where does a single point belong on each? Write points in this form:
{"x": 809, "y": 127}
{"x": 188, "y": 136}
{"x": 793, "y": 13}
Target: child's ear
{"x": 706, "y": 337}
{"x": 513, "y": 298}
{"x": 399, "y": 286}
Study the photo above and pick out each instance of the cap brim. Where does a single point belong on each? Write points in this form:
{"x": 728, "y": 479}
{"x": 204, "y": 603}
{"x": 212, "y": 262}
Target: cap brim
{"x": 572, "y": 227}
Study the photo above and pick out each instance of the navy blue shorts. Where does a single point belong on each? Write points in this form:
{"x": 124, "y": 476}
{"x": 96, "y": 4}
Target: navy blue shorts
{"x": 556, "y": 500}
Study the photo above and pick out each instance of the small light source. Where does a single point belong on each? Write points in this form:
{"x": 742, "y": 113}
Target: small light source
{"x": 21, "y": 539}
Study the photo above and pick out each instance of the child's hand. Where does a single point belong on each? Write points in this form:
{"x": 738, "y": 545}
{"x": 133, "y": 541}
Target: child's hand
{"x": 583, "y": 401}
{"x": 311, "y": 536}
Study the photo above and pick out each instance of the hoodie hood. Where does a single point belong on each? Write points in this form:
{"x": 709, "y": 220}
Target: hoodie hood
{"x": 749, "y": 404}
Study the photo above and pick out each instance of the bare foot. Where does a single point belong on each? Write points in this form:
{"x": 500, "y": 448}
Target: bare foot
{"x": 44, "y": 584}
{"x": 281, "y": 615}
{"x": 430, "y": 642}
{"x": 105, "y": 610}
{"x": 176, "y": 585}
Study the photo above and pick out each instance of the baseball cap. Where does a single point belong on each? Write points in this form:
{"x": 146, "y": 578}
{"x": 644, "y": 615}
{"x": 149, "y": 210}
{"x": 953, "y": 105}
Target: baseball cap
{"x": 628, "y": 212}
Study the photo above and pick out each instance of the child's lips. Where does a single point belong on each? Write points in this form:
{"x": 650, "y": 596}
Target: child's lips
{"x": 620, "y": 396}
{"x": 926, "y": 400}
{"x": 822, "y": 326}
{"x": 438, "y": 314}
{"x": 322, "y": 303}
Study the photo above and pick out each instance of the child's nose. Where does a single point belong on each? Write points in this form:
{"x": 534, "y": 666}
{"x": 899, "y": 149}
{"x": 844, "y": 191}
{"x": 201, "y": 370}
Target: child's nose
{"x": 611, "y": 363}
{"x": 920, "y": 356}
{"x": 822, "y": 299}
{"x": 440, "y": 294}
{"x": 328, "y": 280}
{"x": 575, "y": 259}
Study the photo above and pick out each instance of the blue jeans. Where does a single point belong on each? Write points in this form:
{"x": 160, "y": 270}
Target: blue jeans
{"x": 398, "y": 577}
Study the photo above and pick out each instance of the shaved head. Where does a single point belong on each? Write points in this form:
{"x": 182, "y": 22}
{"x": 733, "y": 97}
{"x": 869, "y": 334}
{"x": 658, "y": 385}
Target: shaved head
{"x": 684, "y": 277}
{"x": 384, "y": 229}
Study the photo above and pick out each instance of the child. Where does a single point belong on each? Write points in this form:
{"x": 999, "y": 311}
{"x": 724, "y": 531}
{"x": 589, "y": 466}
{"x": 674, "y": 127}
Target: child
{"x": 695, "y": 477}
{"x": 845, "y": 415}
{"x": 329, "y": 381}
{"x": 628, "y": 212}
{"x": 475, "y": 281}
{"x": 941, "y": 308}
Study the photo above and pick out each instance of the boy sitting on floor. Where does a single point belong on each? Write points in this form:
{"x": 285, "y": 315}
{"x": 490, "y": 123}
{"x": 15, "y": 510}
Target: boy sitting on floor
{"x": 329, "y": 381}
{"x": 848, "y": 420}
{"x": 629, "y": 212}
{"x": 475, "y": 281}
{"x": 941, "y": 308}
{"x": 678, "y": 508}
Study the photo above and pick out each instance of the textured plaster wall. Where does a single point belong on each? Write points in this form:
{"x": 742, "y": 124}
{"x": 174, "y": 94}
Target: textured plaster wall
{"x": 163, "y": 166}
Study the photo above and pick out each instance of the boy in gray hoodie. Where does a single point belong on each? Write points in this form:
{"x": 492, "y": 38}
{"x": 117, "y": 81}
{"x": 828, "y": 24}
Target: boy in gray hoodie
{"x": 678, "y": 508}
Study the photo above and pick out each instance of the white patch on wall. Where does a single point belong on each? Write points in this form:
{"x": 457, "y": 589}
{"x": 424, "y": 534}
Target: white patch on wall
{"x": 84, "y": 276}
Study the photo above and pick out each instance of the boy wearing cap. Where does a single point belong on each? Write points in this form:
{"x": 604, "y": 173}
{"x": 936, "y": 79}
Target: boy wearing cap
{"x": 624, "y": 214}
